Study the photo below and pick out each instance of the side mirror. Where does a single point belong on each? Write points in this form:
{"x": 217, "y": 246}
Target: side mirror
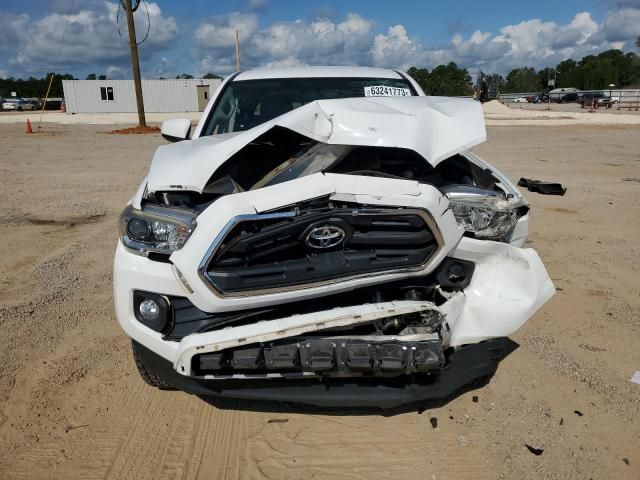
{"x": 176, "y": 129}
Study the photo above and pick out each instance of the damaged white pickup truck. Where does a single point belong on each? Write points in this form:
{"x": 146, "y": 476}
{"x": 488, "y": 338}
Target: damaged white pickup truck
{"x": 311, "y": 246}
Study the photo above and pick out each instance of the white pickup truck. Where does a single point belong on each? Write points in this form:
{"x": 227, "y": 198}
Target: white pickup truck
{"x": 325, "y": 236}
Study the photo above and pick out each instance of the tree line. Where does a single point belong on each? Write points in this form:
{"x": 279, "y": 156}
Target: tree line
{"x": 590, "y": 73}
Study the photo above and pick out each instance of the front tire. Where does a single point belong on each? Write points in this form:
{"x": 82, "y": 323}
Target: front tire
{"x": 147, "y": 375}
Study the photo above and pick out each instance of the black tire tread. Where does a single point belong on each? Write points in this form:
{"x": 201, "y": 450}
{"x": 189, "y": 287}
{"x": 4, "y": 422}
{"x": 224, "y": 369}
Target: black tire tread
{"x": 147, "y": 375}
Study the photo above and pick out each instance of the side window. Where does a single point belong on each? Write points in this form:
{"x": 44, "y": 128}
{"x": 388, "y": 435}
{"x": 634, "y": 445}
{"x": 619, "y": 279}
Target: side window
{"x": 106, "y": 93}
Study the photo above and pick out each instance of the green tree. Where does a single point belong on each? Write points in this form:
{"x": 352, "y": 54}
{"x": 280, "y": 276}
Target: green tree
{"x": 421, "y": 76}
{"x": 568, "y": 74}
{"x": 449, "y": 80}
{"x": 524, "y": 79}
{"x": 33, "y": 87}
{"x": 184, "y": 76}
{"x": 102, "y": 77}
{"x": 211, "y": 75}
{"x": 91, "y": 76}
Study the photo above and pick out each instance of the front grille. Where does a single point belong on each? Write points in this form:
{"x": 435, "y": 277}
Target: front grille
{"x": 279, "y": 251}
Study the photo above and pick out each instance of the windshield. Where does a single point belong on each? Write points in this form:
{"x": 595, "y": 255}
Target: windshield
{"x": 248, "y": 103}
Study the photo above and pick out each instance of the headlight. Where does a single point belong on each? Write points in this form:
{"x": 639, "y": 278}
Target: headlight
{"x": 155, "y": 229}
{"x": 485, "y": 213}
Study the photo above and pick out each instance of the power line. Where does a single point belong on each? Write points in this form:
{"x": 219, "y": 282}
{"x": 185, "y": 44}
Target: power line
{"x": 55, "y": 65}
{"x": 133, "y": 9}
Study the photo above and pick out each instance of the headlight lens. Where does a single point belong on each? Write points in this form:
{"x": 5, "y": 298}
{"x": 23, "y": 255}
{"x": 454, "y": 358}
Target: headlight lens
{"x": 155, "y": 229}
{"x": 485, "y": 213}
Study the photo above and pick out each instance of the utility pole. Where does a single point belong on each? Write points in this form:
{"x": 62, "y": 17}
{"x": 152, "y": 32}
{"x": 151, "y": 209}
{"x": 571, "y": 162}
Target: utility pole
{"x": 237, "y": 51}
{"x": 133, "y": 45}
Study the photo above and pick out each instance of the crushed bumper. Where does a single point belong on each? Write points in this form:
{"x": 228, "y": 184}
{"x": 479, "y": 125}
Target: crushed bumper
{"x": 469, "y": 363}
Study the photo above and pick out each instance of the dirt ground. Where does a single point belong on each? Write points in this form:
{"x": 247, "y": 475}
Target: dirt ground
{"x": 72, "y": 404}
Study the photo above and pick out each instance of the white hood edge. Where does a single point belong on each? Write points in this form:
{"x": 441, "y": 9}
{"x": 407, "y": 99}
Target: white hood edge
{"x": 434, "y": 127}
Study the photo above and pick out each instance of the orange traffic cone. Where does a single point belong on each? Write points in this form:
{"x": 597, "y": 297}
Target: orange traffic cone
{"x": 28, "y": 130}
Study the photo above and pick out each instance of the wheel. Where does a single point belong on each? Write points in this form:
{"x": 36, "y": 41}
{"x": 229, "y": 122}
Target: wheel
{"x": 147, "y": 375}
{"x": 19, "y": 109}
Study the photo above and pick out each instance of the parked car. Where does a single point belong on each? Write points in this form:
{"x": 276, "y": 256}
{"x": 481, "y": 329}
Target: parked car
{"x": 519, "y": 100}
{"x": 571, "y": 97}
{"x": 600, "y": 99}
{"x": 326, "y": 237}
{"x": 17, "y": 104}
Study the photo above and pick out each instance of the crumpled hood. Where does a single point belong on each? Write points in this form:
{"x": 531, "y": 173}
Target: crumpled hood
{"x": 433, "y": 127}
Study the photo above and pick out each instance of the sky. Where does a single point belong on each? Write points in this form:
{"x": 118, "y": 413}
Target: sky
{"x": 198, "y": 36}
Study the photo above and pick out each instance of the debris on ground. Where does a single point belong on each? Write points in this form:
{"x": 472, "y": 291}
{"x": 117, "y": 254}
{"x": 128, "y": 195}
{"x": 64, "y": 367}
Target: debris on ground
{"x": 561, "y": 422}
{"x": 578, "y": 412}
{"x": 139, "y": 130}
{"x": 434, "y": 422}
{"x": 626, "y": 460}
{"x": 421, "y": 410}
{"x": 474, "y": 399}
{"x": 278, "y": 420}
{"x": 68, "y": 428}
{"x": 545, "y": 188}
{"x": 463, "y": 441}
{"x": 591, "y": 348}
{"x": 534, "y": 450}
{"x": 635, "y": 378}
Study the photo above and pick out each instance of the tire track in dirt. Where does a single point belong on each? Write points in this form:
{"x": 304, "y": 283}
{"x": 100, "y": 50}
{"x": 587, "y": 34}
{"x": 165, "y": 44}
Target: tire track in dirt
{"x": 222, "y": 442}
{"x": 144, "y": 438}
{"x": 362, "y": 448}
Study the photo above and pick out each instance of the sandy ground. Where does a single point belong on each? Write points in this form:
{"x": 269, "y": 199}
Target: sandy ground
{"x": 72, "y": 404}
{"x": 496, "y": 113}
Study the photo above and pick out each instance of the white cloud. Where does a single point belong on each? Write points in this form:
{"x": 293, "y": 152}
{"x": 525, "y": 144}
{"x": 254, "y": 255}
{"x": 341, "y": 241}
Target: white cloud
{"x": 321, "y": 41}
{"x": 397, "y": 50}
{"x": 532, "y": 42}
{"x": 622, "y": 25}
{"x": 28, "y": 45}
{"x": 91, "y": 37}
{"x": 114, "y": 72}
{"x": 220, "y": 32}
{"x": 12, "y": 30}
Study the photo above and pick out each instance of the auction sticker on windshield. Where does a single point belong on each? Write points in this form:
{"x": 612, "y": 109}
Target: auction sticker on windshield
{"x": 384, "y": 91}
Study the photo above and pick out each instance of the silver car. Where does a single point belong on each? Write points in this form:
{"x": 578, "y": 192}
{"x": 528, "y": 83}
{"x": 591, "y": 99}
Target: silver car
{"x": 17, "y": 104}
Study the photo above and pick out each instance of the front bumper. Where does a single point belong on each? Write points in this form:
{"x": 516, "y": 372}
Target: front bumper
{"x": 508, "y": 285}
{"x": 465, "y": 365}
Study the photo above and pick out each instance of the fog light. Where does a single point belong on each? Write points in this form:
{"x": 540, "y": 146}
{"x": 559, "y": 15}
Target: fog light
{"x": 149, "y": 310}
{"x": 152, "y": 310}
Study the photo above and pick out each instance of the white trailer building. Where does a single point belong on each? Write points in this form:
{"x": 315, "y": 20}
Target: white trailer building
{"x": 119, "y": 96}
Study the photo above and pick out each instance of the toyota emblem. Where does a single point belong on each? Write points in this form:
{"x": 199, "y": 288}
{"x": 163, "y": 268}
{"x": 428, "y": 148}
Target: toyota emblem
{"x": 325, "y": 237}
